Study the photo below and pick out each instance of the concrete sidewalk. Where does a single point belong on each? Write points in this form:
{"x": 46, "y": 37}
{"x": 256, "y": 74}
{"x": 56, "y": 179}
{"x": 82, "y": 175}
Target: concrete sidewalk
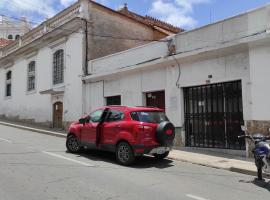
{"x": 209, "y": 160}
{"x": 235, "y": 165}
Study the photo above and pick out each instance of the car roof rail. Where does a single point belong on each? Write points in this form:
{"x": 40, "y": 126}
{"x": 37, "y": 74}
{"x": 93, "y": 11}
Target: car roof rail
{"x": 116, "y": 106}
{"x": 146, "y": 106}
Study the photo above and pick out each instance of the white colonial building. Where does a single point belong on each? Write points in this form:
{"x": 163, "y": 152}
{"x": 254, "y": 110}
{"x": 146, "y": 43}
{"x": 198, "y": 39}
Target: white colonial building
{"x": 210, "y": 80}
{"x": 12, "y": 29}
{"x": 41, "y": 72}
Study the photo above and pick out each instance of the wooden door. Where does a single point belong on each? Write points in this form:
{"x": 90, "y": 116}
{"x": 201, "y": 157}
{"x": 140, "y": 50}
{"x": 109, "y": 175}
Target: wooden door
{"x": 58, "y": 115}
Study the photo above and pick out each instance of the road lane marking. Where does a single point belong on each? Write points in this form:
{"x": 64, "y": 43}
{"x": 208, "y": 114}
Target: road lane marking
{"x": 195, "y": 197}
{"x": 69, "y": 159}
{"x": 5, "y": 140}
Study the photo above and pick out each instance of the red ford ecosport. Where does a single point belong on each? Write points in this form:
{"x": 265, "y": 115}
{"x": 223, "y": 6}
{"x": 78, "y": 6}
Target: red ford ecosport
{"x": 127, "y": 131}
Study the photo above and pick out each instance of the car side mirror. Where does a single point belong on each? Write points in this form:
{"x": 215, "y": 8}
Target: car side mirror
{"x": 84, "y": 120}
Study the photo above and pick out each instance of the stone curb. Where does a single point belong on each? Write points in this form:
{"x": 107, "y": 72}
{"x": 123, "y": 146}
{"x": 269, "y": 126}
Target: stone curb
{"x": 62, "y": 135}
{"x": 232, "y": 169}
{"x": 52, "y": 133}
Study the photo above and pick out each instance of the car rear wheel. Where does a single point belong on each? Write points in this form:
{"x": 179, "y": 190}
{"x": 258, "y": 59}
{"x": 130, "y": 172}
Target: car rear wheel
{"x": 72, "y": 144}
{"x": 161, "y": 156}
{"x": 124, "y": 154}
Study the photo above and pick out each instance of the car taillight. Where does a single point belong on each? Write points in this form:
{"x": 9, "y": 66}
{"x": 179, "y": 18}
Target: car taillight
{"x": 145, "y": 129}
{"x": 169, "y": 132}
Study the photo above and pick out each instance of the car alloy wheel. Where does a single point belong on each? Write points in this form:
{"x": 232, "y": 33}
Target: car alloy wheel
{"x": 124, "y": 154}
{"x": 72, "y": 144}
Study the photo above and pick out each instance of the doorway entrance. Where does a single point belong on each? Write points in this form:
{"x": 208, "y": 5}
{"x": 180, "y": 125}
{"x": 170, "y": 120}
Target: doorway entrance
{"x": 58, "y": 115}
{"x": 214, "y": 115}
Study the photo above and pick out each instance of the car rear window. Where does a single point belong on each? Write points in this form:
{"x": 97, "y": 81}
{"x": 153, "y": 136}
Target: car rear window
{"x": 149, "y": 117}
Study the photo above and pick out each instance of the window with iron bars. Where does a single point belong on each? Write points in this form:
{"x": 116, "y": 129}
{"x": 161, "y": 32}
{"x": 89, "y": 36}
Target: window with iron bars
{"x": 58, "y": 67}
{"x": 31, "y": 74}
{"x": 8, "y": 83}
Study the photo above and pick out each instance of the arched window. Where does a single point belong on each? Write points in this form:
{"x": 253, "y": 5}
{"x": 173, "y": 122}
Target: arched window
{"x": 17, "y": 37}
{"x": 31, "y": 76}
{"x": 10, "y": 37}
{"x": 8, "y": 83}
{"x": 58, "y": 67}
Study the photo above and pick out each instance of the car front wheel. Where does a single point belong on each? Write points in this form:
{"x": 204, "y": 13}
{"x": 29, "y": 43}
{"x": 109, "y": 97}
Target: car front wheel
{"x": 124, "y": 154}
{"x": 72, "y": 144}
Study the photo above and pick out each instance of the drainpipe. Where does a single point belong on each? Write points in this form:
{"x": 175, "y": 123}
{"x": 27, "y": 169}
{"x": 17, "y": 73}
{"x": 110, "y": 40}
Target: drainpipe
{"x": 86, "y": 48}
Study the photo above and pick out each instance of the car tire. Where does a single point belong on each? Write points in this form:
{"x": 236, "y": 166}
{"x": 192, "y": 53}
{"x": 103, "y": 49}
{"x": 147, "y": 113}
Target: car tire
{"x": 72, "y": 144}
{"x": 124, "y": 154}
{"x": 161, "y": 156}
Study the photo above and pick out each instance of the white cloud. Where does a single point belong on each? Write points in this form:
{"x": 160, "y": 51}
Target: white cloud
{"x": 176, "y": 12}
{"x": 67, "y": 2}
{"x": 44, "y": 8}
{"x": 34, "y": 8}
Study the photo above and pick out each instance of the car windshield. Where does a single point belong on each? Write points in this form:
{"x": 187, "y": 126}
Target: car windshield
{"x": 149, "y": 117}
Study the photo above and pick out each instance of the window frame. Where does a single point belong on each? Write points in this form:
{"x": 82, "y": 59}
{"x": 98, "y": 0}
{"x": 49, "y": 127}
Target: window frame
{"x": 91, "y": 121}
{"x": 31, "y": 74}
{"x": 118, "y": 120}
{"x": 8, "y": 82}
{"x": 61, "y": 61}
{"x": 10, "y": 37}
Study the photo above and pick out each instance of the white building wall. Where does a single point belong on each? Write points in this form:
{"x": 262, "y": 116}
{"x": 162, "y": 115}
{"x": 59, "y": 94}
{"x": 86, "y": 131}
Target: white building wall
{"x": 21, "y": 103}
{"x": 260, "y": 82}
{"x": 73, "y": 107}
{"x": 133, "y": 86}
{"x": 33, "y": 105}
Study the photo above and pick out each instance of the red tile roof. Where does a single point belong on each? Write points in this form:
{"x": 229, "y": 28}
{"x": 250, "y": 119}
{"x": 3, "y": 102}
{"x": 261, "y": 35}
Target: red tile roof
{"x": 156, "y": 23}
{"x": 4, "y": 42}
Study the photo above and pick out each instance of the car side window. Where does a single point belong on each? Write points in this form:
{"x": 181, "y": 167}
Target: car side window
{"x": 96, "y": 116}
{"x": 115, "y": 115}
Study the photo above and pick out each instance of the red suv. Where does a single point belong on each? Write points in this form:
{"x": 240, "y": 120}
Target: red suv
{"x": 127, "y": 131}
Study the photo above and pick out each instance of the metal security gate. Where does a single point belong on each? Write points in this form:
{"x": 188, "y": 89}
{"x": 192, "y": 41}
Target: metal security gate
{"x": 214, "y": 115}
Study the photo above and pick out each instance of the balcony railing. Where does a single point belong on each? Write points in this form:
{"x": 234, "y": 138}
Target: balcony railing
{"x": 56, "y": 21}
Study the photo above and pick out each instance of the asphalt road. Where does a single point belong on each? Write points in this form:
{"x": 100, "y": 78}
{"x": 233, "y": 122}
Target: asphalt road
{"x": 36, "y": 167}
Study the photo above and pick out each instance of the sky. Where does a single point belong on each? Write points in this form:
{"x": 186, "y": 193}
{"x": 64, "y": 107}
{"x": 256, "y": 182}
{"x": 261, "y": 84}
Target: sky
{"x": 187, "y": 14}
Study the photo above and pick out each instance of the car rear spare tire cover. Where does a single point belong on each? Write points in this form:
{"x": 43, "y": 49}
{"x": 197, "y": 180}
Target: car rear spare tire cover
{"x": 165, "y": 133}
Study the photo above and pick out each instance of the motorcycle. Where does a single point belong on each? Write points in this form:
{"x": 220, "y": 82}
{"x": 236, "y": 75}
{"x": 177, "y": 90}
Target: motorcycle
{"x": 261, "y": 152}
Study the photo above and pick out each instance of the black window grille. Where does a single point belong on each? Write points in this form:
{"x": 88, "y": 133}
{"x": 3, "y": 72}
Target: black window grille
{"x": 214, "y": 115}
{"x": 31, "y": 83}
{"x": 8, "y": 83}
{"x": 58, "y": 67}
{"x": 113, "y": 100}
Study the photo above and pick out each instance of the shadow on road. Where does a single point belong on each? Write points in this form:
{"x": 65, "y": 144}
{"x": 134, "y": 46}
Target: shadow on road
{"x": 141, "y": 162}
{"x": 260, "y": 183}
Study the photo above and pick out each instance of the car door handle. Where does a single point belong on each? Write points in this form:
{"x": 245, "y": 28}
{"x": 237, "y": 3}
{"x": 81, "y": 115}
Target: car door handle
{"x": 117, "y": 126}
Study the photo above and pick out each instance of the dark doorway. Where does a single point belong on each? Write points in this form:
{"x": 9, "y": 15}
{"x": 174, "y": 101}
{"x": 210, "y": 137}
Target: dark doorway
{"x": 113, "y": 100}
{"x": 214, "y": 115}
{"x": 156, "y": 99}
{"x": 58, "y": 115}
